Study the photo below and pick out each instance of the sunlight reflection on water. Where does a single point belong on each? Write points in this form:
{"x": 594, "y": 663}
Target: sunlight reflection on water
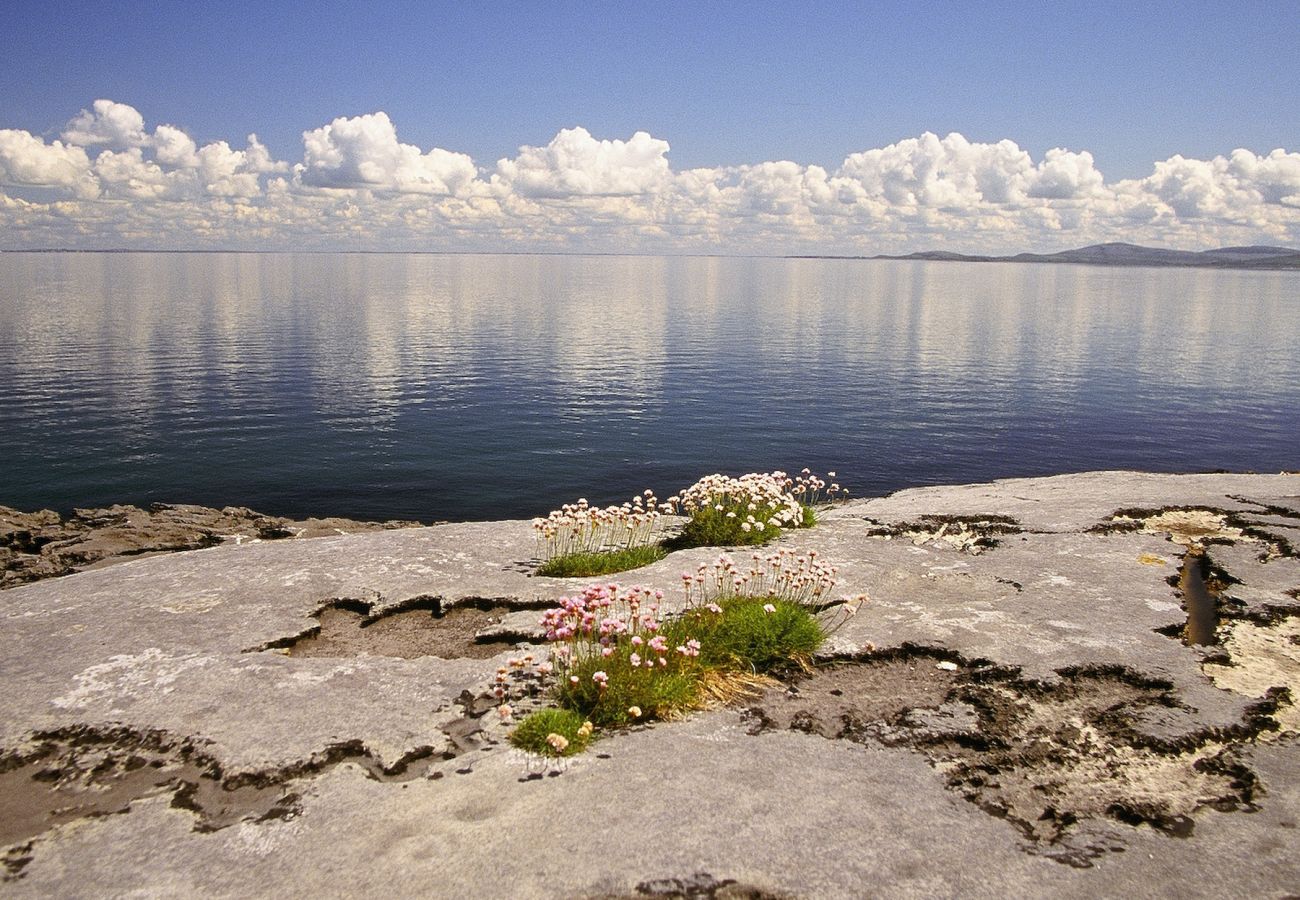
{"x": 483, "y": 386}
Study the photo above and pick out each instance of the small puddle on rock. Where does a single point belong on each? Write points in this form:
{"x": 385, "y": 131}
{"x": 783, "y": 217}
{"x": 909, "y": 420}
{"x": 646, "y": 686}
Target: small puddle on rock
{"x": 406, "y": 634}
{"x": 1202, "y": 609}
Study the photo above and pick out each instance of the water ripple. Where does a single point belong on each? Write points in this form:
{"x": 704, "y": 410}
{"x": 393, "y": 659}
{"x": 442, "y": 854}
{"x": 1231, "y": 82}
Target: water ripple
{"x": 478, "y": 386}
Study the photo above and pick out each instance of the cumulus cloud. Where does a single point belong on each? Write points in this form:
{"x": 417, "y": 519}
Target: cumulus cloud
{"x": 363, "y": 152}
{"x": 114, "y": 125}
{"x": 110, "y": 181}
{"x": 952, "y": 172}
{"x": 575, "y": 164}
{"x": 1233, "y": 187}
{"x": 1063, "y": 175}
{"x": 174, "y": 147}
{"x": 126, "y": 174}
{"x": 28, "y": 160}
{"x": 235, "y": 173}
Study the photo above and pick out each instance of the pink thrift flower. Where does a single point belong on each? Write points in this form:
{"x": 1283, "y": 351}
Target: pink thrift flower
{"x": 769, "y": 608}
{"x": 635, "y": 660}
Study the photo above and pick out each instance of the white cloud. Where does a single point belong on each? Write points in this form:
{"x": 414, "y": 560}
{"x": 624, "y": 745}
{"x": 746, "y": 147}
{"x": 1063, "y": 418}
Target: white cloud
{"x": 363, "y": 152}
{"x": 235, "y": 173}
{"x": 126, "y": 174}
{"x": 1275, "y": 177}
{"x": 1063, "y": 175}
{"x": 114, "y": 125}
{"x": 28, "y": 160}
{"x": 173, "y": 147}
{"x": 358, "y": 185}
{"x": 574, "y": 164}
{"x": 1242, "y": 186}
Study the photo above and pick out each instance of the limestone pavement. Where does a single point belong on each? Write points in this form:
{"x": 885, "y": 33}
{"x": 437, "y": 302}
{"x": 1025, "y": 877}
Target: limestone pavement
{"x": 1014, "y": 713}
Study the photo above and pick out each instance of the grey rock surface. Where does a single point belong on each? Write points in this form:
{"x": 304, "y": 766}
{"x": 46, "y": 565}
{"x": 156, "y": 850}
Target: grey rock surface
{"x": 1015, "y": 715}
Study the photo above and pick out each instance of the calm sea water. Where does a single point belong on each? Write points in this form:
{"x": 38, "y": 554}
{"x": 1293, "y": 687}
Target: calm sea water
{"x": 484, "y": 386}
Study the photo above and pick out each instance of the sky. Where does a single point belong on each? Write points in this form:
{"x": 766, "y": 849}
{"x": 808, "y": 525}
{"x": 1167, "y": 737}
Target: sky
{"x": 699, "y": 127}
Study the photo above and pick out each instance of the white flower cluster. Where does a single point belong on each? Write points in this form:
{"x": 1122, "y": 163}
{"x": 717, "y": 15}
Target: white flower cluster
{"x": 759, "y": 500}
{"x": 582, "y": 528}
{"x": 808, "y": 488}
{"x": 784, "y": 573}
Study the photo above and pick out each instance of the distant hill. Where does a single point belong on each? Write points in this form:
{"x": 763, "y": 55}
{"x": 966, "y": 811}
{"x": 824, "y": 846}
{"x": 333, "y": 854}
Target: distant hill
{"x": 1117, "y": 254}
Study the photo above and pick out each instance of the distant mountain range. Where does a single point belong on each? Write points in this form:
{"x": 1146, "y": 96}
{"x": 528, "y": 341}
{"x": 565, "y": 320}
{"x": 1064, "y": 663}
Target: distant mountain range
{"x": 1132, "y": 255}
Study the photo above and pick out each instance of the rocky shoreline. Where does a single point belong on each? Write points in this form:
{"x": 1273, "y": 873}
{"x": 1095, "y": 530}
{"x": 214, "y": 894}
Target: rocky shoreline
{"x": 43, "y": 544}
{"x": 1021, "y": 710}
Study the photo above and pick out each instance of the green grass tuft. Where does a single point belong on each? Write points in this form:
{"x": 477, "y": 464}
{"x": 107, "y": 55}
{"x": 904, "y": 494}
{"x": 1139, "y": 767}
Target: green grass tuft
{"x": 710, "y": 527}
{"x": 660, "y": 692}
{"x": 533, "y": 731}
{"x": 746, "y": 636}
{"x": 603, "y": 562}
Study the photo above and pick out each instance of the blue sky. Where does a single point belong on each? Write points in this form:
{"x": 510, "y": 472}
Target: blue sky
{"x": 726, "y": 85}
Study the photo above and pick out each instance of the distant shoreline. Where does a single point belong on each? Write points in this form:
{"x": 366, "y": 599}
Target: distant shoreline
{"x": 1115, "y": 254}
{"x": 1253, "y": 258}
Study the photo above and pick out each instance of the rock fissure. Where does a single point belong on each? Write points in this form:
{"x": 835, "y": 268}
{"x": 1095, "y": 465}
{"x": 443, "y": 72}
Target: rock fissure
{"x": 1053, "y": 759}
{"x": 417, "y": 627}
{"x": 83, "y": 772}
{"x": 968, "y": 534}
{"x": 1021, "y": 698}
{"x": 1200, "y": 526}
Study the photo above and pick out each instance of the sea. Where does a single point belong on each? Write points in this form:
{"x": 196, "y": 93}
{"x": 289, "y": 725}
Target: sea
{"x": 449, "y": 387}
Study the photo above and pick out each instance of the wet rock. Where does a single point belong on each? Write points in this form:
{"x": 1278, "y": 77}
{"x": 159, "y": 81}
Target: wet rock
{"x": 43, "y": 545}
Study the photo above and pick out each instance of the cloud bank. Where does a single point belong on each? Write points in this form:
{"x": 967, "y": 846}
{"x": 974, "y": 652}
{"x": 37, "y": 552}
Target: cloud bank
{"x": 108, "y": 180}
